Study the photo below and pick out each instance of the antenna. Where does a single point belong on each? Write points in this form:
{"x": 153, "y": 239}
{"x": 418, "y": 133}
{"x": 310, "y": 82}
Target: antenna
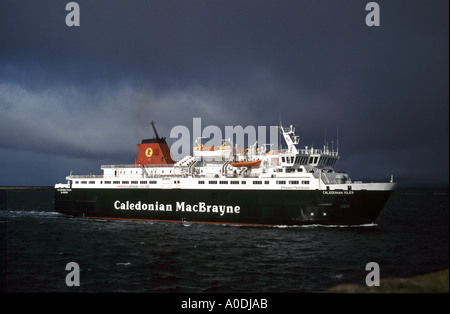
{"x": 279, "y": 133}
{"x": 325, "y": 141}
{"x": 337, "y": 140}
{"x": 154, "y": 129}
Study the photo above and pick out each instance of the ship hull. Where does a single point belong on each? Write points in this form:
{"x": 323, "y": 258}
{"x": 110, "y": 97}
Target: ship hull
{"x": 258, "y": 207}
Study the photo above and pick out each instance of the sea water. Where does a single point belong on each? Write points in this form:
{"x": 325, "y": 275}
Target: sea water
{"x": 410, "y": 237}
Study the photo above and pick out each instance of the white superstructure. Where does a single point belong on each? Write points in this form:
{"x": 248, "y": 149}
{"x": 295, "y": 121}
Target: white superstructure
{"x": 231, "y": 168}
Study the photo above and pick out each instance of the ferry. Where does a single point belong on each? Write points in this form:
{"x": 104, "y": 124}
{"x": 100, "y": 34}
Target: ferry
{"x": 226, "y": 185}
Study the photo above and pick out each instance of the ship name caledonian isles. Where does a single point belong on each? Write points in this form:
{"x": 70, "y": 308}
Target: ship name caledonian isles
{"x": 226, "y": 184}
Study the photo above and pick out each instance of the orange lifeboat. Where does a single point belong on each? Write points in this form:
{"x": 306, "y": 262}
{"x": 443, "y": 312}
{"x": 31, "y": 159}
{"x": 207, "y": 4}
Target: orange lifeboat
{"x": 253, "y": 163}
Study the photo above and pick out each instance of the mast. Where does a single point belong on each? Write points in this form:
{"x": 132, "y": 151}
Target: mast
{"x": 337, "y": 140}
{"x": 291, "y": 139}
{"x": 154, "y": 129}
{"x": 279, "y": 133}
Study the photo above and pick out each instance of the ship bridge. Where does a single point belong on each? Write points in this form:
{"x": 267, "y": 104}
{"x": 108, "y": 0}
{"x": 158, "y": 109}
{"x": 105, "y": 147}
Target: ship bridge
{"x": 308, "y": 158}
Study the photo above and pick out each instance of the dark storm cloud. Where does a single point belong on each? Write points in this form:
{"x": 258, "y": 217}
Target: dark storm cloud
{"x": 89, "y": 92}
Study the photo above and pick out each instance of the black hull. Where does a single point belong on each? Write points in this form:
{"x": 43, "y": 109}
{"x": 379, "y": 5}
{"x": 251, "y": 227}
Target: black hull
{"x": 267, "y": 207}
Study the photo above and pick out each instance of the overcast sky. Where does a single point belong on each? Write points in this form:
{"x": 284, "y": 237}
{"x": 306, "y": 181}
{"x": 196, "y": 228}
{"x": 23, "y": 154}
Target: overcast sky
{"x": 74, "y": 98}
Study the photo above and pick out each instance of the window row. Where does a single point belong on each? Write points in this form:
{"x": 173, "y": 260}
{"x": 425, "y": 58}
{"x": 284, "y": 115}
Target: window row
{"x": 257, "y": 182}
{"x": 303, "y": 160}
{"x": 117, "y": 182}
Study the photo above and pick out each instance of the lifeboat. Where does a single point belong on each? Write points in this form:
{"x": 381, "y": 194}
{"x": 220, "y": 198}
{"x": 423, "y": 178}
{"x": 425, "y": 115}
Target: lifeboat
{"x": 221, "y": 152}
{"x": 253, "y": 163}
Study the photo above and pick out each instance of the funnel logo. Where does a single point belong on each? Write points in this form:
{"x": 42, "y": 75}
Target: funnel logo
{"x": 149, "y": 152}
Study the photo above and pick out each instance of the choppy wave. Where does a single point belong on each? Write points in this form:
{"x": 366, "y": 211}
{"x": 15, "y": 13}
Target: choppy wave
{"x": 339, "y": 226}
{"x": 371, "y": 225}
{"x": 29, "y": 213}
